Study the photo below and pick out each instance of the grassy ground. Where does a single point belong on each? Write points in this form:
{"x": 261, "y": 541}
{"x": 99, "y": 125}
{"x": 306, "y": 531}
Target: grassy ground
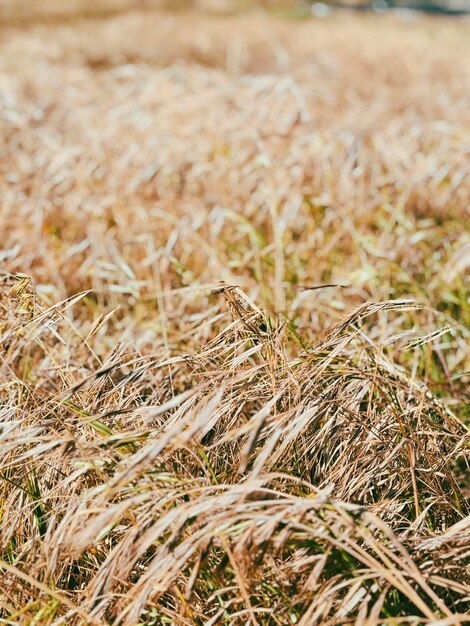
{"x": 192, "y": 432}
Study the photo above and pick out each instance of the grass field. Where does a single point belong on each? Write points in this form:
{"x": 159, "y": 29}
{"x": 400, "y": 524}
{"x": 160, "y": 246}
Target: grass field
{"x": 234, "y": 317}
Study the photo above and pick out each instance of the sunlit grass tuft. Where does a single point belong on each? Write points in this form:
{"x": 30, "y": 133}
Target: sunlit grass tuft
{"x": 234, "y": 321}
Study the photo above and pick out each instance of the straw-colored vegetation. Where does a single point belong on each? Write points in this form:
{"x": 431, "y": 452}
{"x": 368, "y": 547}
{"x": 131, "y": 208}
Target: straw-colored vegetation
{"x": 191, "y": 434}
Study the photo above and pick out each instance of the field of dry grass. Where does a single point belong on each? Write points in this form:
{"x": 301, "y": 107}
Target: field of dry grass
{"x": 192, "y": 432}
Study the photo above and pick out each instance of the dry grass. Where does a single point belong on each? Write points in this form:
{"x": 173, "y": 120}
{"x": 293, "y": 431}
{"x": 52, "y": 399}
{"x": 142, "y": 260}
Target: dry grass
{"x": 175, "y": 448}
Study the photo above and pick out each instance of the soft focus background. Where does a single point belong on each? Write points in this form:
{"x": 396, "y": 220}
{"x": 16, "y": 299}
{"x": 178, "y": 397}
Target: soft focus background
{"x": 191, "y": 170}
{"x": 153, "y": 151}
{"x": 26, "y": 10}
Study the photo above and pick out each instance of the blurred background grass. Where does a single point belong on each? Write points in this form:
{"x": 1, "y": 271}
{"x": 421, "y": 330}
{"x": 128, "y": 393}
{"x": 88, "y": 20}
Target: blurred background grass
{"x": 25, "y": 10}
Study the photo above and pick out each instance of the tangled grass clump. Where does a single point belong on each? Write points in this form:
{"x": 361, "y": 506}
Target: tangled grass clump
{"x": 249, "y": 481}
